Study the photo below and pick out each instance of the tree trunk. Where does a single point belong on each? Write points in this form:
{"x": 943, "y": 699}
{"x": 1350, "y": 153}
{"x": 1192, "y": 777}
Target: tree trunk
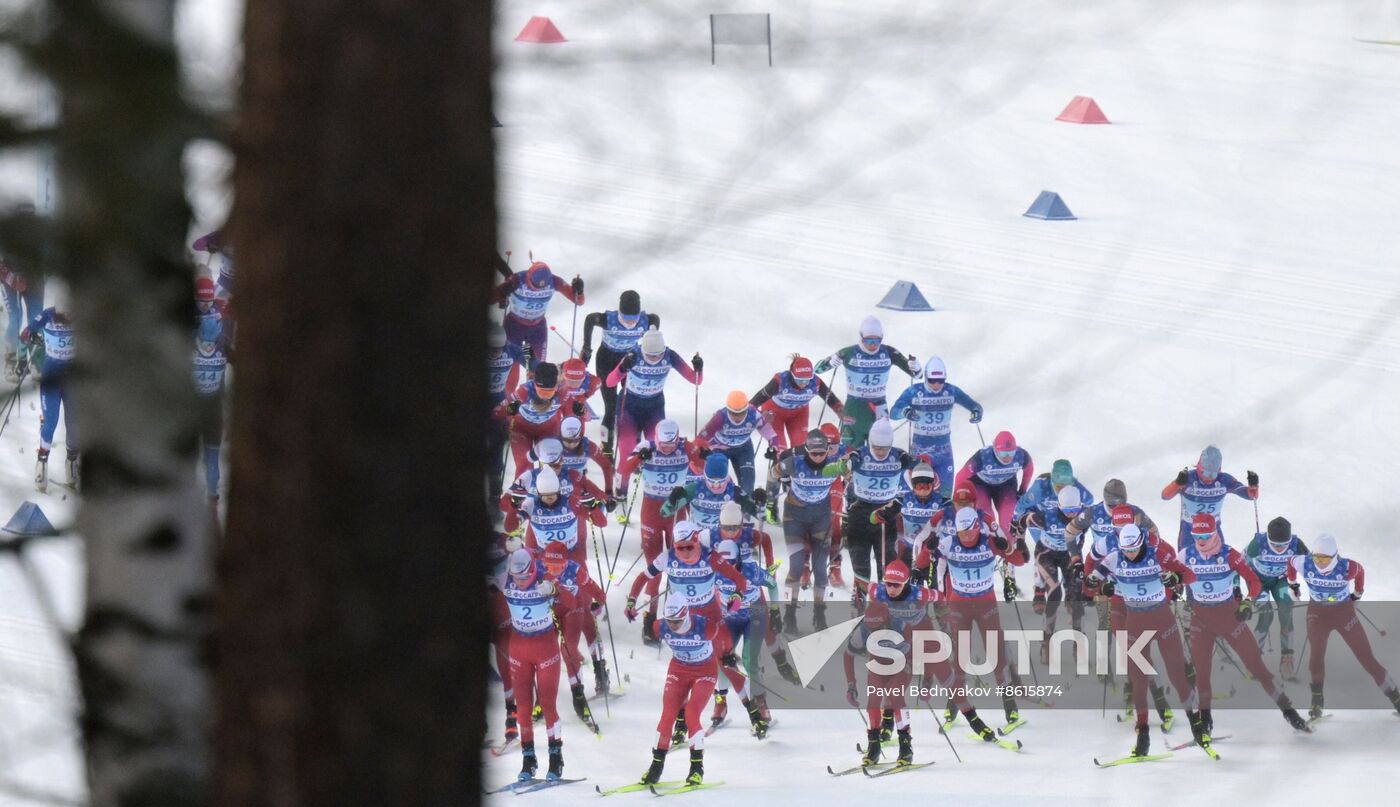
{"x": 351, "y": 631}
{"x": 141, "y": 652}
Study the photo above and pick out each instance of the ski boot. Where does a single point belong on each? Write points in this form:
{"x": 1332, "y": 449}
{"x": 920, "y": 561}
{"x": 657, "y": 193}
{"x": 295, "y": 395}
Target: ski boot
{"x": 819, "y": 616}
{"x": 602, "y": 684}
{"x": 41, "y": 471}
{"x": 1207, "y": 721}
{"x": 680, "y": 735}
{"x": 758, "y": 726}
{"x": 1315, "y": 711}
{"x": 1291, "y": 715}
{"x": 833, "y": 576}
{"x": 790, "y": 620}
{"x": 906, "y": 748}
{"x": 537, "y": 714}
{"x": 73, "y": 467}
{"x": 785, "y": 668}
{"x": 1198, "y": 728}
{"x": 773, "y": 511}
{"x": 1008, "y": 705}
{"x": 1164, "y": 710}
{"x": 1144, "y": 741}
{"x": 982, "y": 730}
{"x": 697, "y": 767}
{"x": 1287, "y": 670}
{"x": 581, "y": 707}
{"x": 512, "y": 728}
{"x": 886, "y": 724}
{"x": 950, "y": 714}
{"x": 528, "y": 765}
{"x": 1394, "y": 695}
{"x": 872, "y": 748}
{"x": 721, "y": 711}
{"x": 556, "y": 761}
{"x": 648, "y": 638}
{"x": 761, "y": 701}
{"x": 658, "y": 763}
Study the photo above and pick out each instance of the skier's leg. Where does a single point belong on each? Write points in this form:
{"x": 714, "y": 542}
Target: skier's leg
{"x": 522, "y": 674}
{"x": 1319, "y": 630}
{"x": 673, "y": 697}
{"x": 741, "y": 457}
{"x": 1202, "y": 655}
{"x": 1354, "y": 634}
{"x": 547, "y": 690}
{"x": 605, "y": 361}
{"x": 700, "y": 691}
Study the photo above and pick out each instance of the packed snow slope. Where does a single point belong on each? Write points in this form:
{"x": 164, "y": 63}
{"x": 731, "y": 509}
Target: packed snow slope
{"x": 1231, "y": 279}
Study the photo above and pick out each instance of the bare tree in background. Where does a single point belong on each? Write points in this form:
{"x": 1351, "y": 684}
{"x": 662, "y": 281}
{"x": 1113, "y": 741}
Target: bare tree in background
{"x": 351, "y": 634}
{"x": 119, "y": 239}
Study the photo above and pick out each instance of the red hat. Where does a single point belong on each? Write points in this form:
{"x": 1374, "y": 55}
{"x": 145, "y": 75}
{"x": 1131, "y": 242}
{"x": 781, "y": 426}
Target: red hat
{"x": 575, "y": 371}
{"x": 554, "y": 554}
{"x": 1122, "y": 515}
{"x": 897, "y": 572}
{"x": 833, "y": 434}
{"x": 801, "y": 368}
{"x": 204, "y": 290}
{"x": 1203, "y": 524}
{"x": 1004, "y": 442}
{"x": 964, "y": 492}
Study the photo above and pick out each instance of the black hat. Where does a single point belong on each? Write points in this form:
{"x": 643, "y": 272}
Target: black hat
{"x": 546, "y": 375}
{"x": 630, "y": 303}
{"x": 817, "y": 441}
{"x": 1280, "y": 531}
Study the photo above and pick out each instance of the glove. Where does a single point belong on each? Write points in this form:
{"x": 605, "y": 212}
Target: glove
{"x": 703, "y": 451}
{"x": 630, "y": 611}
{"x": 577, "y": 286}
{"x": 611, "y": 503}
{"x": 907, "y": 462}
{"x": 1296, "y": 589}
{"x": 821, "y": 367}
{"x": 1181, "y": 477}
{"x": 729, "y": 659}
{"x": 674, "y": 498}
{"x": 592, "y": 503}
{"x": 627, "y": 362}
{"x": 1171, "y": 579}
{"x": 576, "y": 407}
{"x": 771, "y": 454}
{"x": 644, "y": 451}
{"x": 735, "y": 604}
{"x": 1252, "y": 478}
{"x": 914, "y": 367}
{"x": 528, "y": 352}
{"x": 1355, "y": 595}
{"x": 517, "y": 500}
{"x": 1008, "y": 589}
{"x": 851, "y": 695}
{"x": 585, "y": 354}
{"x": 976, "y": 416}
{"x": 1107, "y": 589}
{"x": 892, "y": 508}
{"x": 596, "y": 609}
{"x": 513, "y": 407}
{"x": 775, "y": 617}
{"x": 759, "y": 496}
{"x": 1246, "y": 610}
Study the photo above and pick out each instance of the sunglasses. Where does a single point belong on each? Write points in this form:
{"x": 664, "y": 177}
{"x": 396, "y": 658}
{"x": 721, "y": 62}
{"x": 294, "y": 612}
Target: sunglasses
{"x": 544, "y": 392}
{"x": 1006, "y": 456}
{"x": 1323, "y": 560}
{"x": 870, "y": 340}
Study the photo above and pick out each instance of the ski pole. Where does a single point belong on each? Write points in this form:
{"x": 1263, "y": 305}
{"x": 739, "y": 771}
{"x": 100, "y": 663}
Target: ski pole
{"x": 1369, "y": 622}
{"x": 573, "y": 328}
{"x": 1256, "y": 516}
{"x": 979, "y": 434}
{"x": 1016, "y": 604}
{"x": 829, "y": 391}
{"x": 570, "y": 344}
{"x": 937, "y": 721}
{"x": 696, "y": 431}
{"x": 612, "y": 565}
{"x": 607, "y": 616}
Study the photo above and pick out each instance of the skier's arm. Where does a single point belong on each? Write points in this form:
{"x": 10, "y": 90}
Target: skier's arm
{"x": 766, "y": 394}
{"x": 1237, "y": 487}
{"x": 825, "y": 392}
{"x": 595, "y": 320}
{"x": 900, "y": 409}
{"x": 1174, "y": 487}
{"x": 563, "y": 287}
{"x": 648, "y": 572}
{"x": 838, "y": 358}
{"x": 965, "y": 401}
{"x": 1357, "y": 575}
{"x": 766, "y": 429}
{"x": 605, "y": 465}
{"x": 681, "y": 495}
{"x": 619, "y": 372}
{"x": 1027, "y": 501}
{"x": 765, "y": 543}
{"x": 968, "y": 470}
{"x": 1027, "y": 471}
{"x": 630, "y": 465}
{"x": 502, "y": 292}
{"x": 724, "y": 567}
{"x": 712, "y": 426}
{"x": 902, "y": 362}
{"x": 1247, "y": 574}
{"x": 1145, "y": 523}
{"x": 683, "y": 367}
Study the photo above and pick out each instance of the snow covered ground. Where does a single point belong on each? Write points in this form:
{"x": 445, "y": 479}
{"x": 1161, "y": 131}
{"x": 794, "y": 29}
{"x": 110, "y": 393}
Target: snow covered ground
{"x": 1231, "y": 280}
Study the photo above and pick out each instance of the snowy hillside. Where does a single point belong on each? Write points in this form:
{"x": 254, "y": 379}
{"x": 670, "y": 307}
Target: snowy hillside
{"x": 1231, "y": 280}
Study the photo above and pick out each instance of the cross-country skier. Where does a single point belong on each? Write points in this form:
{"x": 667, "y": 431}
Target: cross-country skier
{"x": 1059, "y": 562}
{"x": 787, "y": 398}
{"x": 555, "y": 518}
{"x": 578, "y": 385}
{"x": 901, "y": 606}
{"x": 54, "y": 328}
{"x": 549, "y": 452}
{"x": 876, "y": 469}
{"x": 754, "y": 544}
{"x": 642, "y": 401}
{"x": 1203, "y": 490}
{"x": 966, "y": 568}
{"x": 708, "y": 495}
{"x": 746, "y": 621}
{"x": 1097, "y": 520}
{"x": 534, "y": 658}
{"x": 835, "y": 450}
{"x": 1216, "y": 616}
{"x": 526, "y": 296}
{"x": 809, "y": 474}
{"x": 730, "y": 430}
{"x": 576, "y": 620}
{"x": 1269, "y": 554}
{"x": 579, "y": 451}
{"x": 1334, "y": 585}
{"x": 992, "y": 471}
{"x": 916, "y": 504}
{"x": 664, "y": 463}
{"x": 691, "y": 569}
{"x": 24, "y": 300}
{"x": 1043, "y": 496}
{"x": 504, "y": 363}
{"x": 210, "y": 361}
{"x": 690, "y": 679}
{"x": 534, "y": 412}
{"x": 929, "y": 408}
{"x": 1141, "y": 574}
{"x": 867, "y": 364}
{"x": 501, "y": 629}
{"x": 622, "y": 330}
